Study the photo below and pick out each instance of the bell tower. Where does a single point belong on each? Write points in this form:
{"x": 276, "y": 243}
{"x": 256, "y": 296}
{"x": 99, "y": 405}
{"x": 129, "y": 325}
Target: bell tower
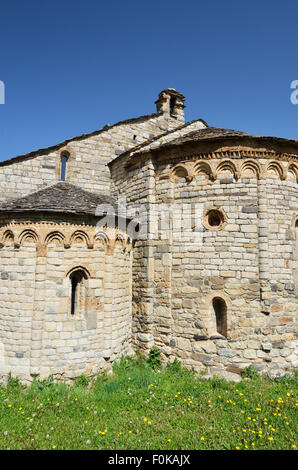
{"x": 171, "y": 102}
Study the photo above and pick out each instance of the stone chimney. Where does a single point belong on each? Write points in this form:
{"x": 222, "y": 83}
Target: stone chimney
{"x": 171, "y": 103}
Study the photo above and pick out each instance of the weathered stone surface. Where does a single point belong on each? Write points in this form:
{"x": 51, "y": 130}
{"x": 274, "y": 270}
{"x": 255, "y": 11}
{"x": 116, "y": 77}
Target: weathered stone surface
{"x": 211, "y": 280}
{"x": 226, "y": 352}
{"x": 266, "y": 347}
{"x": 234, "y": 370}
{"x": 226, "y": 375}
{"x": 200, "y": 337}
{"x": 166, "y": 350}
{"x": 278, "y": 344}
{"x": 204, "y": 358}
{"x": 249, "y": 354}
{"x": 275, "y": 373}
{"x": 145, "y": 337}
{"x": 208, "y": 346}
{"x": 62, "y": 197}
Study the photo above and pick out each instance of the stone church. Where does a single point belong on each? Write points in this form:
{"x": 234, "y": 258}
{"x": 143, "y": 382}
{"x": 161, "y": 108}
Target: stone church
{"x": 151, "y": 231}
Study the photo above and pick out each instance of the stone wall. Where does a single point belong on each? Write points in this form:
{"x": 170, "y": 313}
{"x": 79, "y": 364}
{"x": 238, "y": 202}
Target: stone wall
{"x": 249, "y": 262}
{"x": 206, "y": 270}
{"x": 88, "y": 157}
{"x": 38, "y": 333}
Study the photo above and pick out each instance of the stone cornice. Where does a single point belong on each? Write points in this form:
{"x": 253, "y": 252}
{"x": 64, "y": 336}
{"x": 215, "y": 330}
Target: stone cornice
{"x": 238, "y": 167}
{"x": 235, "y": 153}
{"x": 15, "y": 233}
{"x": 233, "y": 148}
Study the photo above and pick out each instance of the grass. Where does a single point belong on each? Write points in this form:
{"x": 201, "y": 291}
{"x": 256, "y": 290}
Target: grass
{"x": 140, "y": 407}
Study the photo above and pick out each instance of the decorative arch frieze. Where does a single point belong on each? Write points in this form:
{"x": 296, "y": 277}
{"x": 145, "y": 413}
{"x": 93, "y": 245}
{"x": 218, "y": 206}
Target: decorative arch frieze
{"x": 43, "y": 236}
{"x": 250, "y": 166}
{"x": 7, "y": 238}
{"x": 292, "y": 171}
{"x": 80, "y": 237}
{"x": 277, "y": 168}
{"x": 180, "y": 171}
{"x": 28, "y": 235}
{"x": 227, "y": 166}
{"x": 238, "y": 168}
{"x": 102, "y": 238}
{"x": 56, "y": 238}
{"x": 205, "y": 169}
{"x": 120, "y": 240}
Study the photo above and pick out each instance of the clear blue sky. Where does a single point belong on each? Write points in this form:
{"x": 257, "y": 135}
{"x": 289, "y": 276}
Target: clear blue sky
{"x": 70, "y": 67}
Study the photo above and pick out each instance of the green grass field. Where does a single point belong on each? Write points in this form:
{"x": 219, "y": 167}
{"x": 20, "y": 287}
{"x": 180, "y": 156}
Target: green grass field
{"x": 139, "y": 407}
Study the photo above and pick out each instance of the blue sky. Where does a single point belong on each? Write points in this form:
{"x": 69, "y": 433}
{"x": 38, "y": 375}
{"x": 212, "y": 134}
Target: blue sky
{"x": 70, "y": 67}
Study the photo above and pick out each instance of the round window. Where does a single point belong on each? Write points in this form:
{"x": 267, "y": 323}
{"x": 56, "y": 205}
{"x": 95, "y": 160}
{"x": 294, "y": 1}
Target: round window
{"x": 214, "y": 219}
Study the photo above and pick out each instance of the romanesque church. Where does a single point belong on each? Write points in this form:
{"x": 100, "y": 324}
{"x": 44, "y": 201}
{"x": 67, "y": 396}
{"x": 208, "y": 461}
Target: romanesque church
{"x": 151, "y": 231}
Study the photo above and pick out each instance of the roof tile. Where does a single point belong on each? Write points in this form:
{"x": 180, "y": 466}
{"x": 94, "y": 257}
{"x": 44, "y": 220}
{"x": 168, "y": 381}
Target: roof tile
{"x": 63, "y": 197}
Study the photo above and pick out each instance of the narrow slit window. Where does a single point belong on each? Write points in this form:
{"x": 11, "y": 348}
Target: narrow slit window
{"x": 74, "y": 285}
{"x": 172, "y": 104}
{"x": 63, "y": 167}
{"x": 77, "y": 280}
{"x": 220, "y": 310}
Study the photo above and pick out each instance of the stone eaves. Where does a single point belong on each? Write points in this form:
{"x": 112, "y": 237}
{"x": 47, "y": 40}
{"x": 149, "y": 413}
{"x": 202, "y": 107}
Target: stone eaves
{"x": 61, "y": 198}
{"x": 208, "y": 134}
{"x": 46, "y": 150}
{"x": 216, "y": 133}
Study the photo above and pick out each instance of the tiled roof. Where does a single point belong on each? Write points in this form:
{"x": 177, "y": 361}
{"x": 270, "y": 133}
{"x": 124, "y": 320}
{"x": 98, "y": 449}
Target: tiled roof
{"x": 204, "y": 134}
{"x": 140, "y": 147}
{"x": 207, "y": 133}
{"x": 61, "y": 198}
{"x": 213, "y": 133}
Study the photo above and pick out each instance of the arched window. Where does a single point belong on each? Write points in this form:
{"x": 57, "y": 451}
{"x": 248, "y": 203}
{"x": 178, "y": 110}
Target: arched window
{"x": 220, "y": 311}
{"x": 214, "y": 219}
{"x": 64, "y": 159}
{"x": 77, "y": 280}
